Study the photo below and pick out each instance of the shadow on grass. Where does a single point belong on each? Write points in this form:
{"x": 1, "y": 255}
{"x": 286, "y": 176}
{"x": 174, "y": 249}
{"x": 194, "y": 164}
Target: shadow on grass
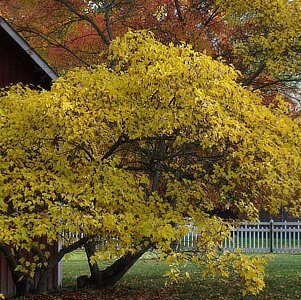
{"x": 145, "y": 280}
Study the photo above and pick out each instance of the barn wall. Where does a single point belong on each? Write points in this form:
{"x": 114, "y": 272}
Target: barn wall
{"x": 17, "y": 66}
{"x": 7, "y": 286}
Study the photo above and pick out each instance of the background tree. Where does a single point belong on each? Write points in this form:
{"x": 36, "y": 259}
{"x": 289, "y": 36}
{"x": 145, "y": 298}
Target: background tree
{"x": 76, "y": 32}
{"x": 260, "y": 38}
{"x": 122, "y": 155}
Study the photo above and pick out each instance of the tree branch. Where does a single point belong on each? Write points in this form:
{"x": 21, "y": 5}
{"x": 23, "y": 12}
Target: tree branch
{"x": 24, "y": 284}
{"x": 108, "y": 22}
{"x": 8, "y": 256}
{"x": 56, "y": 44}
{"x": 37, "y": 251}
{"x": 121, "y": 140}
{"x": 179, "y": 11}
{"x": 43, "y": 279}
{"x": 83, "y": 17}
{"x": 212, "y": 16}
{"x": 257, "y": 73}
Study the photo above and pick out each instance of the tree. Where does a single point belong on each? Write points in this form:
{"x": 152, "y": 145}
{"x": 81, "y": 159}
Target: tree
{"x": 123, "y": 155}
{"x": 260, "y": 38}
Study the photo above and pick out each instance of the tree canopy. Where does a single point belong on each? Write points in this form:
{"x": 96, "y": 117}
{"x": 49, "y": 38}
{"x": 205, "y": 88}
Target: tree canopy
{"x": 126, "y": 156}
{"x": 260, "y": 38}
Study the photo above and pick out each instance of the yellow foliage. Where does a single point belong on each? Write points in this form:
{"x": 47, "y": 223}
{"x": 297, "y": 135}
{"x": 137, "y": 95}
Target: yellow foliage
{"x": 124, "y": 155}
{"x": 275, "y": 35}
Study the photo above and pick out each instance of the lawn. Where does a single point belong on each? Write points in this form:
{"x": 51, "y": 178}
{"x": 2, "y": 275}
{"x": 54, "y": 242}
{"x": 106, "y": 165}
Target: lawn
{"x": 145, "y": 280}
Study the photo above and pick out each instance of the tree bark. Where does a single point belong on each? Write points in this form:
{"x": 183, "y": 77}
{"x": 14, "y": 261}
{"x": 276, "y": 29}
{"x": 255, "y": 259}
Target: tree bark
{"x": 112, "y": 274}
{"x": 46, "y": 272}
{"x": 24, "y": 284}
{"x": 96, "y": 278}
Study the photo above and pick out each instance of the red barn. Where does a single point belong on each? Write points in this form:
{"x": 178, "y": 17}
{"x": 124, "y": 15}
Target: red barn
{"x": 20, "y": 63}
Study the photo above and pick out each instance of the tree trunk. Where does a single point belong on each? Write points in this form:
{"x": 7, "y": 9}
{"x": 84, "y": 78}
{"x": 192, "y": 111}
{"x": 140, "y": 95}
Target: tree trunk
{"x": 24, "y": 284}
{"x": 112, "y": 274}
{"x": 96, "y": 278}
{"x": 56, "y": 259}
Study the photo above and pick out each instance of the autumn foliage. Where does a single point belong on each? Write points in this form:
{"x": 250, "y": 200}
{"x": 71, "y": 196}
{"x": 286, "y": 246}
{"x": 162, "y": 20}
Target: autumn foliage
{"x": 157, "y": 128}
{"x": 125, "y": 156}
{"x": 257, "y": 37}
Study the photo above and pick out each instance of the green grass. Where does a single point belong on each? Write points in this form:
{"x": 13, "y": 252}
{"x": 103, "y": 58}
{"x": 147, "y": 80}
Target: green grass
{"x": 283, "y": 279}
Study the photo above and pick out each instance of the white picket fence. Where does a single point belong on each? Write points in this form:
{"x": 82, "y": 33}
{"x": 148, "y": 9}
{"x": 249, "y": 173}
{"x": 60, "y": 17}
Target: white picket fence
{"x": 260, "y": 237}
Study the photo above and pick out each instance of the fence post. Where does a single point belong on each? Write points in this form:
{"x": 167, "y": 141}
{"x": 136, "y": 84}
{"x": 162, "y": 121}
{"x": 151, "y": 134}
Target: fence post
{"x": 298, "y": 234}
{"x": 271, "y": 235}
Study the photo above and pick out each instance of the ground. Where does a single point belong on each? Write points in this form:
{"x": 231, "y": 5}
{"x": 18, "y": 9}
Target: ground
{"x": 146, "y": 281}
{"x": 117, "y": 293}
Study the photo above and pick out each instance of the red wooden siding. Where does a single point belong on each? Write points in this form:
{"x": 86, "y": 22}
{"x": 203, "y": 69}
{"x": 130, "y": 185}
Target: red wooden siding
{"x": 7, "y": 286}
{"x": 17, "y": 66}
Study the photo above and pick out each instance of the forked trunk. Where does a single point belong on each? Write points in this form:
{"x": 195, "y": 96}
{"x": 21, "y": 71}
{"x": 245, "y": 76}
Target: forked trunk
{"x": 112, "y": 274}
